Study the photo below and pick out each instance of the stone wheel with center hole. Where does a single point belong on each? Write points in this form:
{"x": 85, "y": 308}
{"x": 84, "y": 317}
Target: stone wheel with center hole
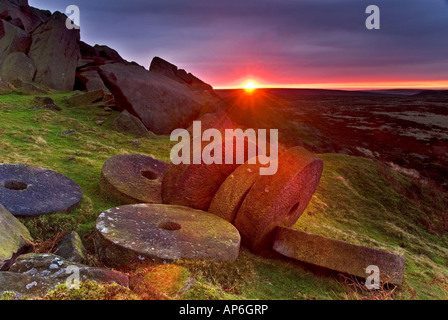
{"x": 133, "y": 178}
{"x": 28, "y": 191}
{"x": 155, "y": 232}
{"x": 194, "y": 185}
{"x": 277, "y": 200}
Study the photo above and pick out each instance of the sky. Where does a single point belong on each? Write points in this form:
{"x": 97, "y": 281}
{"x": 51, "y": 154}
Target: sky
{"x": 277, "y": 43}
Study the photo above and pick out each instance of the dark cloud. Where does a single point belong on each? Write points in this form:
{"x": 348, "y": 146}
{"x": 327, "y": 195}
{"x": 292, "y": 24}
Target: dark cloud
{"x": 280, "y": 41}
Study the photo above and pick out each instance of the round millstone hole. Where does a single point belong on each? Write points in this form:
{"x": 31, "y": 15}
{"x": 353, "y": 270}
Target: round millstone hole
{"x": 148, "y": 174}
{"x": 157, "y": 232}
{"x": 28, "y": 191}
{"x": 133, "y": 178}
{"x": 15, "y": 185}
{"x": 170, "y": 226}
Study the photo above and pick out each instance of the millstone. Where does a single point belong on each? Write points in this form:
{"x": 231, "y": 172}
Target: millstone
{"x": 133, "y": 178}
{"x": 134, "y": 233}
{"x": 338, "y": 255}
{"x": 31, "y": 191}
{"x": 231, "y": 193}
{"x": 194, "y": 185}
{"x": 278, "y": 200}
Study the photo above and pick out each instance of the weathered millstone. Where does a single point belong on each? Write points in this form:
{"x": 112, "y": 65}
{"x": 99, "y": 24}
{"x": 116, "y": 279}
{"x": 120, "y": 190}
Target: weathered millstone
{"x": 232, "y": 192}
{"x": 338, "y": 255}
{"x": 17, "y": 66}
{"x": 85, "y": 98}
{"x": 195, "y": 185}
{"x": 72, "y": 248}
{"x": 31, "y": 191}
{"x": 279, "y": 199}
{"x": 135, "y": 233}
{"x": 56, "y": 270}
{"x": 14, "y": 238}
{"x": 133, "y": 178}
{"x": 55, "y": 51}
{"x": 126, "y": 122}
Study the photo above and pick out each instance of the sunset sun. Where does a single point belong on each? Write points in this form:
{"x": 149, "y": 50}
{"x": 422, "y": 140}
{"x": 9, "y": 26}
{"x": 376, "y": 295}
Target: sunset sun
{"x": 250, "y": 86}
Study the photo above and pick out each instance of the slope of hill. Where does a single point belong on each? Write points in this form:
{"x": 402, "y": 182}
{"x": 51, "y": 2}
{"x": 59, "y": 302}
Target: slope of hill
{"x": 359, "y": 200}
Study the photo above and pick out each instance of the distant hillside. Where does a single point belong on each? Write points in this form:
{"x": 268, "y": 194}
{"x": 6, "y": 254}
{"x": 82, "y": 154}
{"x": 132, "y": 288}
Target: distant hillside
{"x": 433, "y": 94}
{"x": 401, "y": 92}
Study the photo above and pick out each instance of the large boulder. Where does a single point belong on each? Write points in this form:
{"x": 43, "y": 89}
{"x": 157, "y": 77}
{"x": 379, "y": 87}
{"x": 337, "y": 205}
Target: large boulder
{"x": 14, "y": 238}
{"x": 12, "y": 39}
{"x": 17, "y": 66}
{"x": 160, "y": 102}
{"x": 55, "y": 51}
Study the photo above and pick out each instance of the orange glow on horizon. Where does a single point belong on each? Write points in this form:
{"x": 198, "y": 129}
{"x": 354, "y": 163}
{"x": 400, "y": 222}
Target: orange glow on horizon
{"x": 250, "y": 85}
{"x": 438, "y": 84}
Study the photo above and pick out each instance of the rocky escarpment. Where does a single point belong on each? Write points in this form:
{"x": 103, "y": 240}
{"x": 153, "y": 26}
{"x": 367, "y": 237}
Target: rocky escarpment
{"x": 37, "y": 51}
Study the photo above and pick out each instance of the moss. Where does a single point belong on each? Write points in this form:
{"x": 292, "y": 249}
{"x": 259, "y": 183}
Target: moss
{"x": 8, "y": 295}
{"x": 90, "y": 290}
{"x": 205, "y": 291}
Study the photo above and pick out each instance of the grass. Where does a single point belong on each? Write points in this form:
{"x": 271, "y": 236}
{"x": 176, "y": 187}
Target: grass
{"x": 358, "y": 200}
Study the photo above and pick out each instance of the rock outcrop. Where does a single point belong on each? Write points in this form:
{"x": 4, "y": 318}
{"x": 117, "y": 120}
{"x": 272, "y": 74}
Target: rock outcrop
{"x": 22, "y": 15}
{"x": 169, "y": 70}
{"x": 55, "y": 51}
{"x": 161, "y": 103}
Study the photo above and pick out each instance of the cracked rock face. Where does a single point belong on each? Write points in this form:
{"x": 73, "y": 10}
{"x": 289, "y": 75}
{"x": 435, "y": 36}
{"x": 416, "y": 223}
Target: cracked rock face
{"x": 55, "y": 52}
{"x": 13, "y": 236}
{"x": 31, "y": 191}
{"x": 135, "y": 233}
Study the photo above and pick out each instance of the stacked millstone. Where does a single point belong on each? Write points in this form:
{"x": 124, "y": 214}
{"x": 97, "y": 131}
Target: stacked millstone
{"x": 240, "y": 203}
{"x": 263, "y": 208}
{"x": 146, "y": 229}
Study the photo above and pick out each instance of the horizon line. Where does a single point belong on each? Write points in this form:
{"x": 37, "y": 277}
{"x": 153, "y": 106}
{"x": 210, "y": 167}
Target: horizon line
{"x": 408, "y": 85}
